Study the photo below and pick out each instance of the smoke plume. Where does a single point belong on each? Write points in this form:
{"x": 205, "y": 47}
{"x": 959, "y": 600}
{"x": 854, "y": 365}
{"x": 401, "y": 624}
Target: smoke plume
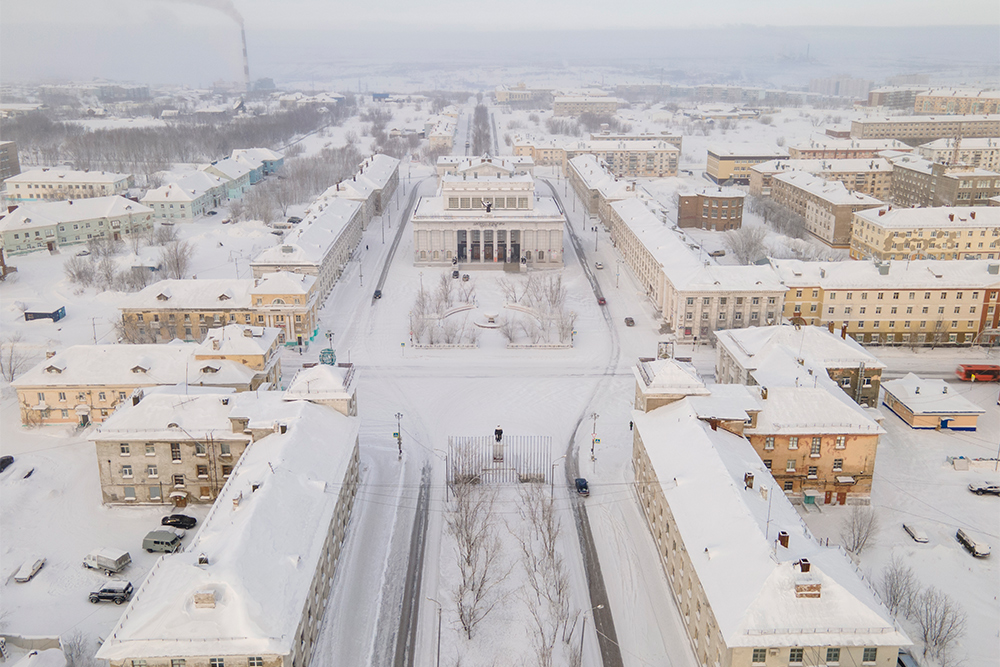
{"x": 225, "y": 6}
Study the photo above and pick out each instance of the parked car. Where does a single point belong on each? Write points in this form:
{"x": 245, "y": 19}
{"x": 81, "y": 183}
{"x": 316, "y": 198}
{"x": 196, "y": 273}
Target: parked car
{"x": 29, "y": 569}
{"x": 629, "y": 322}
{"x": 979, "y": 488}
{"x": 717, "y": 253}
{"x": 598, "y": 265}
{"x": 83, "y": 253}
{"x": 179, "y": 520}
{"x": 211, "y": 212}
{"x": 454, "y": 275}
{"x": 378, "y": 294}
{"x": 111, "y": 561}
{"x": 226, "y": 221}
{"x": 904, "y": 659}
{"x": 972, "y": 544}
{"x": 5, "y": 462}
{"x": 295, "y": 220}
{"x": 916, "y": 532}
{"x": 601, "y": 301}
{"x": 163, "y": 541}
{"x": 582, "y": 487}
{"x": 115, "y": 591}
{"x": 465, "y": 277}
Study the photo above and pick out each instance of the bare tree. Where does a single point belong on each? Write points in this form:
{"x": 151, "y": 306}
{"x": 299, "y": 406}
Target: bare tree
{"x": 77, "y": 650}
{"x": 107, "y": 273}
{"x": 176, "y": 258}
{"x": 128, "y": 331}
{"x": 898, "y": 587}
{"x": 747, "y": 243}
{"x": 940, "y": 621}
{"x": 859, "y": 528}
{"x": 165, "y": 234}
{"x": 79, "y": 270}
{"x": 14, "y": 356}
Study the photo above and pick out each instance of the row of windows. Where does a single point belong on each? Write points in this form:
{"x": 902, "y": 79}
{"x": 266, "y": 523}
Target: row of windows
{"x": 797, "y": 655}
{"x": 252, "y": 661}
{"x": 82, "y": 396}
{"x": 125, "y": 449}
{"x": 838, "y": 466}
{"x": 178, "y": 480}
{"x": 793, "y": 441}
{"x": 707, "y": 300}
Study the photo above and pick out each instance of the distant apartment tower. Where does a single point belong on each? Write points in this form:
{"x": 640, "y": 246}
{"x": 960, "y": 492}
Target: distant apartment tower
{"x": 575, "y": 106}
{"x": 9, "y": 164}
{"x": 715, "y": 208}
{"x": 926, "y": 128}
{"x": 826, "y": 206}
{"x": 823, "y": 147}
{"x": 894, "y": 97}
{"x": 919, "y": 182}
{"x": 982, "y": 152}
{"x": 841, "y": 86}
{"x": 957, "y": 101}
{"x": 730, "y": 163}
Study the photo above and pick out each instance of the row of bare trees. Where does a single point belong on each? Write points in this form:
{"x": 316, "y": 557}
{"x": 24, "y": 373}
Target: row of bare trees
{"x": 552, "y": 321}
{"x": 427, "y": 318}
{"x": 102, "y": 266}
{"x": 481, "y": 133}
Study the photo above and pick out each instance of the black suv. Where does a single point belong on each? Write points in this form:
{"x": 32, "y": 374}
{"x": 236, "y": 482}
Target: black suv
{"x": 180, "y": 520}
{"x": 116, "y": 591}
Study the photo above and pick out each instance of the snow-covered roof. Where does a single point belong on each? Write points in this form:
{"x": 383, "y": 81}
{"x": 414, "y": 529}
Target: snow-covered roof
{"x": 826, "y": 142}
{"x": 510, "y": 160}
{"x": 67, "y": 176}
{"x": 716, "y": 191}
{"x": 746, "y": 150}
{"x": 32, "y": 215}
{"x": 321, "y": 383}
{"x": 191, "y": 294}
{"x": 682, "y": 267}
{"x": 926, "y": 396}
{"x": 834, "y": 192}
{"x": 669, "y": 376}
{"x": 938, "y": 217}
{"x": 750, "y": 580}
{"x": 378, "y": 169}
{"x": 257, "y": 154}
{"x": 262, "y": 541}
{"x": 919, "y": 120}
{"x": 595, "y": 176}
{"x": 726, "y": 401}
{"x": 817, "y": 344}
{"x": 545, "y": 209}
{"x": 925, "y": 166}
{"x": 229, "y": 168}
{"x": 313, "y": 238}
{"x": 891, "y": 274}
{"x": 189, "y": 187}
{"x": 238, "y": 339}
{"x": 811, "y": 410}
{"x": 169, "y": 413}
{"x": 283, "y": 282}
{"x": 967, "y": 143}
{"x": 828, "y": 166}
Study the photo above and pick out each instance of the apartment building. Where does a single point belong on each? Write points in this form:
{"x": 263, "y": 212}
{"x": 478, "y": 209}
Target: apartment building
{"x": 665, "y": 135}
{"x": 487, "y": 215}
{"x": 624, "y": 159}
{"x": 440, "y": 133}
{"x": 926, "y": 128}
{"x": 823, "y": 147}
{"x": 872, "y": 176}
{"x": 730, "y": 163}
{"x": 264, "y": 159}
{"x": 59, "y": 184}
{"x": 895, "y": 97}
{"x": 329, "y": 385}
{"x": 918, "y": 302}
{"x": 320, "y": 246}
{"x": 374, "y": 185}
{"x": 9, "y": 163}
{"x": 957, "y": 101}
{"x": 255, "y": 347}
{"x": 85, "y": 384}
{"x": 235, "y": 173}
{"x": 458, "y": 164}
{"x": 796, "y": 601}
{"x": 187, "y": 198}
{"x": 826, "y": 206}
{"x": 50, "y": 226}
{"x": 517, "y": 93}
{"x": 268, "y": 550}
{"x": 841, "y": 86}
{"x": 925, "y": 403}
{"x": 187, "y": 309}
{"x": 798, "y": 356}
{"x": 694, "y": 298}
{"x": 920, "y": 182}
{"x": 596, "y": 187}
{"x": 888, "y": 233}
{"x": 575, "y": 106}
{"x": 716, "y": 208}
{"x": 979, "y": 152}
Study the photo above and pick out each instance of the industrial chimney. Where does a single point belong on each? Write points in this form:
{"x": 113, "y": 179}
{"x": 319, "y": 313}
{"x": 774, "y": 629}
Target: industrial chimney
{"x": 246, "y": 62}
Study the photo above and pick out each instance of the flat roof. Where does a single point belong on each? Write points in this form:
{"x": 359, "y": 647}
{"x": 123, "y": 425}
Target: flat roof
{"x": 834, "y": 192}
{"x": 56, "y": 175}
{"x": 927, "y": 396}
{"x": 746, "y": 150}
{"x": 937, "y": 217}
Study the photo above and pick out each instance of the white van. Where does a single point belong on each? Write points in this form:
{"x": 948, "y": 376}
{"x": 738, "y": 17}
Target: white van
{"x": 973, "y": 544}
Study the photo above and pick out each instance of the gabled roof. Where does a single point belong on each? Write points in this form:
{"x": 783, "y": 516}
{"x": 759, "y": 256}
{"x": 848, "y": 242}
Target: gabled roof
{"x": 321, "y": 382}
{"x": 668, "y": 376}
{"x": 927, "y": 396}
{"x": 237, "y": 339}
{"x": 32, "y": 215}
{"x": 313, "y": 238}
{"x": 811, "y": 410}
{"x": 229, "y": 168}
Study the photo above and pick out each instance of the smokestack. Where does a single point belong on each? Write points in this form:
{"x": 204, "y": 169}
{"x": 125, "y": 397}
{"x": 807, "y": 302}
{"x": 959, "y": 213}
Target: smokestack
{"x": 246, "y": 62}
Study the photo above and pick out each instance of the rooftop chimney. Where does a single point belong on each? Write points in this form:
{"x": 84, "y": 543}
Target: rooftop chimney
{"x": 748, "y": 480}
{"x": 783, "y": 538}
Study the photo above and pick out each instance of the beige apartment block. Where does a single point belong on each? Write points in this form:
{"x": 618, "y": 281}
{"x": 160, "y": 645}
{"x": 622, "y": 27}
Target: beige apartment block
{"x": 625, "y": 159}
{"x": 822, "y": 147}
{"x": 665, "y": 135}
{"x": 826, "y": 206}
{"x": 716, "y": 208}
{"x": 926, "y": 128}
{"x": 731, "y": 163}
{"x": 979, "y": 152}
{"x": 957, "y": 101}
{"x": 921, "y": 183}
{"x": 870, "y": 176}
{"x": 50, "y": 226}
{"x": 58, "y": 184}
{"x": 575, "y": 106}
{"x": 926, "y": 233}
{"x": 895, "y": 97}
{"x": 596, "y": 187}
{"x": 916, "y": 303}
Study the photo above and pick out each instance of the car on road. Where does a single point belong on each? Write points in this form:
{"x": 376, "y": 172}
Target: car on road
{"x": 29, "y": 569}
{"x": 717, "y": 253}
{"x": 114, "y": 591}
{"x": 582, "y": 487}
{"x": 211, "y": 213}
{"x": 598, "y": 265}
{"x": 5, "y": 462}
{"x": 295, "y": 220}
{"x": 465, "y": 277}
{"x": 916, "y": 532}
{"x": 180, "y": 520}
{"x": 629, "y": 322}
{"x": 980, "y": 488}
{"x": 378, "y": 294}
{"x": 226, "y": 221}
{"x": 601, "y": 301}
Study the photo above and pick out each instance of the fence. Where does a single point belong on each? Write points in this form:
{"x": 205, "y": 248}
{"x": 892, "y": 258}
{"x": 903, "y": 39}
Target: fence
{"x": 512, "y": 459}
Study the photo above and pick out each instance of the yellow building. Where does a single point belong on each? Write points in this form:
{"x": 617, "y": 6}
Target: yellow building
{"x": 957, "y": 101}
{"x": 872, "y": 176}
{"x": 731, "y": 163}
{"x": 575, "y": 106}
{"x": 926, "y": 128}
{"x": 926, "y": 233}
{"x": 979, "y": 152}
{"x": 624, "y": 159}
{"x": 59, "y": 184}
{"x": 930, "y": 404}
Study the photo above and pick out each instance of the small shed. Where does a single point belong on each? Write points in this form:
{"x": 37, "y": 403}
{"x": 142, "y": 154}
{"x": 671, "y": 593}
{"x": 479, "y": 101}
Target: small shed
{"x": 930, "y": 404}
{"x": 54, "y": 315}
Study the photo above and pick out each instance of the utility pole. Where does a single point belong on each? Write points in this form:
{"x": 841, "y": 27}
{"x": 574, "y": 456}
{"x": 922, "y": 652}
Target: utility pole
{"x": 399, "y": 434}
{"x": 93, "y": 323}
{"x": 593, "y": 436}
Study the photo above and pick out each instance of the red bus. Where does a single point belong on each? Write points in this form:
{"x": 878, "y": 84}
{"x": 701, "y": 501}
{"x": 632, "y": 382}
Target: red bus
{"x": 978, "y": 372}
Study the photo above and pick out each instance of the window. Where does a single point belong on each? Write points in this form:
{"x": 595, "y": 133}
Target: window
{"x": 150, "y": 449}
{"x": 838, "y": 465}
{"x": 793, "y": 442}
{"x": 199, "y": 449}
{"x": 769, "y": 442}
{"x": 841, "y": 441}
{"x": 814, "y": 450}
{"x": 767, "y": 463}
{"x": 227, "y": 470}
{"x": 179, "y": 481}
{"x": 255, "y": 662}
{"x": 795, "y": 656}
{"x": 151, "y": 471}
{"x": 216, "y": 662}
{"x": 790, "y": 465}
{"x": 813, "y": 472}
{"x": 125, "y": 449}
{"x": 175, "y": 452}
{"x": 832, "y": 655}
{"x": 202, "y": 472}
{"x": 129, "y": 493}
{"x": 789, "y": 485}
{"x": 224, "y": 449}
{"x": 846, "y": 382}
{"x": 759, "y": 656}
{"x": 101, "y": 396}
{"x": 127, "y": 471}
{"x": 869, "y": 655}
{"x": 62, "y": 395}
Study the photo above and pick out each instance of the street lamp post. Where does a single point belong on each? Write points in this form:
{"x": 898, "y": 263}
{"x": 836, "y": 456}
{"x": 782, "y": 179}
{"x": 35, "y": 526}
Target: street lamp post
{"x": 593, "y": 436}
{"x": 618, "y": 272}
{"x": 583, "y": 629}
{"x": 552, "y": 479}
{"x": 595, "y": 238}
{"x": 438, "y": 660}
